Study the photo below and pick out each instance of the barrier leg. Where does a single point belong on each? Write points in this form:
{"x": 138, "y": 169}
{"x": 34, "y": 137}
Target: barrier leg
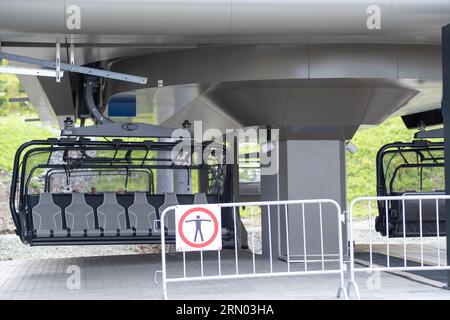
{"x": 164, "y": 290}
{"x": 352, "y": 282}
{"x": 351, "y": 268}
{"x": 355, "y": 286}
{"x": 341, "y": 289}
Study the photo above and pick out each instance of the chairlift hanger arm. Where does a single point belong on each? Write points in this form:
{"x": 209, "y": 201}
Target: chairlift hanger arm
{"x": 89, "y": 98}
{"x": 109, "y": 128}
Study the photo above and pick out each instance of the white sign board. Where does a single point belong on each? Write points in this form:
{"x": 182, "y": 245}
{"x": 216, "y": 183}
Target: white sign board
{"x": 198, "y": 227}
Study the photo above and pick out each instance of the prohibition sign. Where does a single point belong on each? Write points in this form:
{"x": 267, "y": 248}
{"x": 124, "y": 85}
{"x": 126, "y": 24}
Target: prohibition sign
{"x": 183, "y": 219}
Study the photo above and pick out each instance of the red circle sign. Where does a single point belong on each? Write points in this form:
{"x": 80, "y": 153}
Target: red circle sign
{"x": 198, "y": 245}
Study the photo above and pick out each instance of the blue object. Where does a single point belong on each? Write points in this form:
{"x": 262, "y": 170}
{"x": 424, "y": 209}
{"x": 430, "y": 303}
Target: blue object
{"x": 122, "y": 106}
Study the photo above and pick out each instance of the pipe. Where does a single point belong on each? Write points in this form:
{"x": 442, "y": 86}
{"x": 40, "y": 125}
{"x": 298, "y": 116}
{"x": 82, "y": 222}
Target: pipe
{"x": 408, "y": 19}
{"x": 90, "y": 103}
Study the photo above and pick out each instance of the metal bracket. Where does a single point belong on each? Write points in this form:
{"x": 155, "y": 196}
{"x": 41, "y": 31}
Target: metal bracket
{"x": 58, "y": 74}
{"x": 74, "y": 68}
{"x": 58, "y": 58}
{"x": 343, "y": 217}
{"x": 89, "y": 98}
{"x": 155, "y": 224}
{"x": 155, "y": 278}
{"x": 31, "y": 71}
{"x": 19, "y": 99}
{"x": 72, "y": 52}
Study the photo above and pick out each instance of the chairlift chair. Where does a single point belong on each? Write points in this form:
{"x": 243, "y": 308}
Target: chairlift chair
{"x": 411, "y": 169}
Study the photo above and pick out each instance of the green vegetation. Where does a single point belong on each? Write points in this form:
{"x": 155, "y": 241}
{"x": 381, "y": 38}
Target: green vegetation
{"x": 361, "y": 175}
{"x": 10, "y": 88}
{"x": 14, "y": 131}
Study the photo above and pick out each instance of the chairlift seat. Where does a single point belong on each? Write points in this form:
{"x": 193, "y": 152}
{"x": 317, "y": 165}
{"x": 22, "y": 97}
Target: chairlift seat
{"x": 413, "y": 214}
{"x": 169, "y": 220}
{"x": 80, "y": 217}
{"x": 111, "y": 216}
{"x": 142, "y": 215}
{"x": 47, "y": 217}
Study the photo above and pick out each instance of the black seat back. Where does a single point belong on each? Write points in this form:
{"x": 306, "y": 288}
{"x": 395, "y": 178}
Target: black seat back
{"x": 404, "y": 216}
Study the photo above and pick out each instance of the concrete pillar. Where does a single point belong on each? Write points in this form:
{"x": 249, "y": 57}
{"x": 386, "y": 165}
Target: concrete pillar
{"x": 182, "y": 182}
{"x": 446, "y": 114}
{"x": 164, "y": 177}
{"x": 308, "y": 169}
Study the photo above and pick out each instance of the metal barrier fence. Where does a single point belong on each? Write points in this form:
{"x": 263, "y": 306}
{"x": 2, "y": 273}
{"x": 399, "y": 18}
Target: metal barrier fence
{"x": 239, "y": 264}
{"x": 405, "y": 207}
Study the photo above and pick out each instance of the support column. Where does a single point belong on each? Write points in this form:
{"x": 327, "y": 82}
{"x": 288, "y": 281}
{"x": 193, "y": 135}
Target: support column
{"x": 446, "y": 115}
{"x": 164, "y": 177}
{"x": 308, "y": 169}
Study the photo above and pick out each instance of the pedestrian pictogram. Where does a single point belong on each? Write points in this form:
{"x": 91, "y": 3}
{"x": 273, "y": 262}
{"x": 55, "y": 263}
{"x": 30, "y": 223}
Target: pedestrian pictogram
{"x": 198, "y": 228}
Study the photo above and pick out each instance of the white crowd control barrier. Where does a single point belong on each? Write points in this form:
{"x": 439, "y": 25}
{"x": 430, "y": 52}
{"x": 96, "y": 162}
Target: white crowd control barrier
{"x": 234, "y": 263}
{"x": 407, "y": 216}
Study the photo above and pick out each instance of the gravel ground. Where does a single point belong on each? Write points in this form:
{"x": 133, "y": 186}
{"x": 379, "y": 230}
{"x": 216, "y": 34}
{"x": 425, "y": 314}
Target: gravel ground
{"x": 363, "y": 230}
{"x": 6, "y": 224}
{"x": 257, "y": 234}
{"x": 11, "y": 248}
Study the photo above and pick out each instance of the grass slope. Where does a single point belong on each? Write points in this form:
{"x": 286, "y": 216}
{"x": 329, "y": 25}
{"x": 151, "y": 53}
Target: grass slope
{"x": 14, "y": 131}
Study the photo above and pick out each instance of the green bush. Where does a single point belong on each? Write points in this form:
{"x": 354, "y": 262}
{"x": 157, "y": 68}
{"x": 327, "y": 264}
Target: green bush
{"x": 14, "y": 131}
{"x": 10, "y": 88}
{"x": 361, "y": 166}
